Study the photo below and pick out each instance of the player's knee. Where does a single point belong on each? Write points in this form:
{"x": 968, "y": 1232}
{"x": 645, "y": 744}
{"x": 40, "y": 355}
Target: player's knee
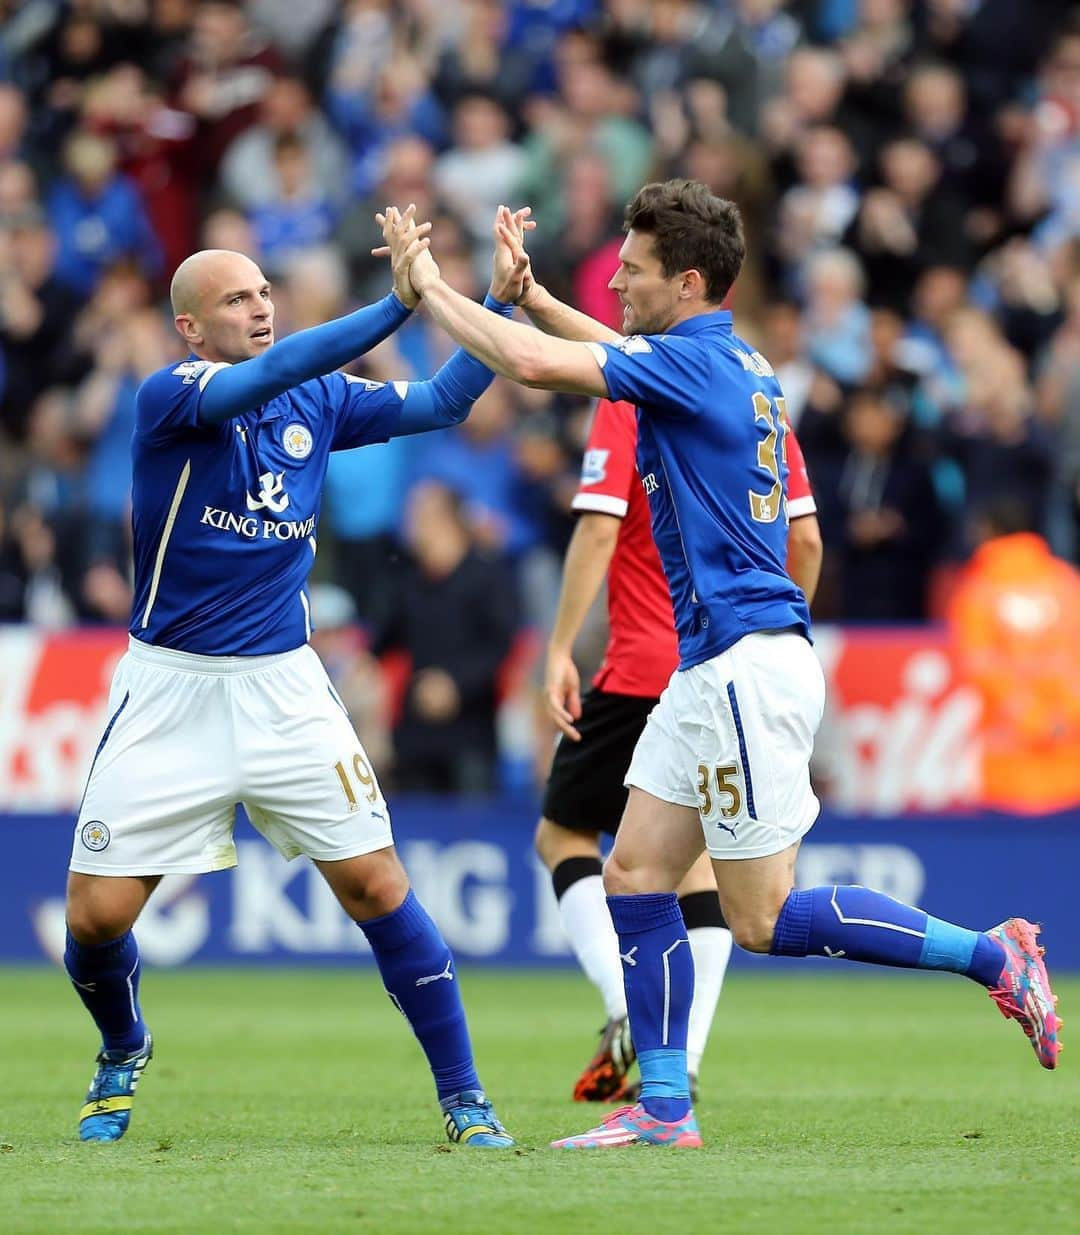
{"x": 92, "y": 923}
{"x": 620, "y": 880}
{"x": 546, "y": 842}
{"x": 752, "y": 931}
{"x": 554, "y": 843}
{"x": 381, "y": 886}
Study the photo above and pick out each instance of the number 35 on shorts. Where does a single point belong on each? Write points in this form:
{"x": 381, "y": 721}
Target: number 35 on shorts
{"x": 718, "y": 788}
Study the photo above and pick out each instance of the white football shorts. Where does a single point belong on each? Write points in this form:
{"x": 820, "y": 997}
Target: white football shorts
{"x": 732, "y": 737}
{"x": 189, "y": 737}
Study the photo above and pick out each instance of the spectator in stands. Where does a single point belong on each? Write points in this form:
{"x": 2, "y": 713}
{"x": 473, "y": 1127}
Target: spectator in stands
{"x": 815, "y": 213}
{"x": 456, "y": 617}
{"x": 250, "y": 172}
{"x": 1058, "y": 398}
{"x": 227, "y": 70}
{"x": 592, "y": 112}
{"x": 13, "y": 117}
{"x": 481, "y": 60}
{"x": 30, "y": 585}
{"x": 836, "y": 321}
{"x": 155, "y": 150}
{"x": 37, "y": 312}
{"x": 97, "y": 215}
{"x": 970, "y": 156}
{"x": 405, "y": 174}
{"x": 813, "y": 92}
{"x": 576, "y": 259}
{"x": 300, "y": 216}
{"x": 1015, "y": 623}
{"x": 888, "y": 510}
{"x": 398, "y": 103}
{"x": 877, "y": 53}
{"x": 103, "y": 413}
{"x": 1001, "y": 447}
{"x": 482, "y": 168}
{"x": 907, "y": 224}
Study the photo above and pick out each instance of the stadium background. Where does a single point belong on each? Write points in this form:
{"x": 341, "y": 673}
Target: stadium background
{"x": 910, "y": 178}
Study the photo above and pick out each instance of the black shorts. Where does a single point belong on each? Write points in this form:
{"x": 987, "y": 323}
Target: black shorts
{"x": 585, "y": 789}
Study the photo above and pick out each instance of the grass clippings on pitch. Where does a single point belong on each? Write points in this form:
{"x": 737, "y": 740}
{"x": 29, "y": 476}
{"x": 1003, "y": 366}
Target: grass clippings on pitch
{"x": 289, "y": 1102}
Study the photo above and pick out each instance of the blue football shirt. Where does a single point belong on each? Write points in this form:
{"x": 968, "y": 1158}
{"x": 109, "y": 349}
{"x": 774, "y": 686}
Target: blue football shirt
{"x": 225, "y": 516}
{"x": 711, "y": 457}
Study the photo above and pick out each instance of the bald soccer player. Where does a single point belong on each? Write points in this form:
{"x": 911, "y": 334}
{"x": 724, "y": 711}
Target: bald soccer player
{"x": 220, "y": 699}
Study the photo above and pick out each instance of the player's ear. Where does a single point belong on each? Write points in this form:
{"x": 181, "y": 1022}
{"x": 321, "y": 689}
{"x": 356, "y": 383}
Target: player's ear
{"x": 188, "y": 329}
{"x": 692, "y": 286}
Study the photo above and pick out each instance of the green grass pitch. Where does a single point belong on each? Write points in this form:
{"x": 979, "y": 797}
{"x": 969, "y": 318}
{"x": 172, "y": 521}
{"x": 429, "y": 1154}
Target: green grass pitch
{"x": 292, "y": 1102}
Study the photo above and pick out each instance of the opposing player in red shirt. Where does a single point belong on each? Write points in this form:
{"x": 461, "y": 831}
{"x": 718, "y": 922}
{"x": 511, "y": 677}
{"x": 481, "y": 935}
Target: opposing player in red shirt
{"x": 585, "y": 793}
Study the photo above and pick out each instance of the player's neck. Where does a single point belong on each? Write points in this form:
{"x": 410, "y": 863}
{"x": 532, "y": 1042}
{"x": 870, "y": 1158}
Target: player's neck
{"x": 692, "y": 309}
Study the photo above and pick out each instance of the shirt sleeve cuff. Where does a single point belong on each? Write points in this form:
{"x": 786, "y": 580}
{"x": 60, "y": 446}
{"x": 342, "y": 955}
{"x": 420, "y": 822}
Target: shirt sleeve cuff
{"x": 498, "y": 306}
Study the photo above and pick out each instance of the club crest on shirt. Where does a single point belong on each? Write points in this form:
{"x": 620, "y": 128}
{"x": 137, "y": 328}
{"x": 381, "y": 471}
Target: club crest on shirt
{"x": 634, "y": 345}
{"x": 594, "y": 466}
{"x": 95, "y": 835}
{"x": 297, "y": 441}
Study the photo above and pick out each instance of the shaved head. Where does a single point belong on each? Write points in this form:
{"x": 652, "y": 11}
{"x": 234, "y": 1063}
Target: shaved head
{"x": 208, "y": 272}
{"x": 222, "y": 306}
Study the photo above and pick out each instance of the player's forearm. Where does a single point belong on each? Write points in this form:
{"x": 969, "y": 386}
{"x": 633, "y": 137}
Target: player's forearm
{"x": 587, "y": 560}
{"x": 307, "y": 354}
{"x": 554, "y": 317}
{"x": 805, "y": 553}
{"x": 513, "y": 350}
{"x": 501, "y": 345}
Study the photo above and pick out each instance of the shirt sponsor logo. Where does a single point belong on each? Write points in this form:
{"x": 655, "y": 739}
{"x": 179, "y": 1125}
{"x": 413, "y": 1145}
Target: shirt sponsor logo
{"x": 297, "y": 441}
{"x": 594, "y": 466}
{"x": 649, "y": 483}
{"x": 250, "y": 528}
{"x": 272, "y": 495}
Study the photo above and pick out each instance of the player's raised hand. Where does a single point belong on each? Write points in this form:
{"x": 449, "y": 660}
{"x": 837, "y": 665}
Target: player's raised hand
{"x": 562, "y": 691}
{"x": 511, "y": 273}
{"x": 402, "y": 234}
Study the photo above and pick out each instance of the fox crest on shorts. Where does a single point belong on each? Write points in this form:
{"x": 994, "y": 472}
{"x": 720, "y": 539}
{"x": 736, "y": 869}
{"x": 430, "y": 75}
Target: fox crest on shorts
{"x": 95, "y": 835}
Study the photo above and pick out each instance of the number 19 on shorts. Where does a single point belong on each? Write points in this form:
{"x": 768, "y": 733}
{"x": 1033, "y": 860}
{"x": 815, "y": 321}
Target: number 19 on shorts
{"x": 365, "y": 781}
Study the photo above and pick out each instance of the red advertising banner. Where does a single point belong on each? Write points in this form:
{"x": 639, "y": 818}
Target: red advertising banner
{"x": 53, "y": 693}
{"x": 900, "y": 732}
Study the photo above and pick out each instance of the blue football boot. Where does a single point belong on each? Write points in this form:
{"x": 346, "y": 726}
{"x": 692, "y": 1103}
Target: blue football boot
{"x": 107, "y": 1111}
{"x": 471, "y": 1120}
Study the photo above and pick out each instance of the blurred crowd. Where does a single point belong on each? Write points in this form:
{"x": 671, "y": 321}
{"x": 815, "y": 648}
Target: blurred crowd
{"x": 909, "y": 175}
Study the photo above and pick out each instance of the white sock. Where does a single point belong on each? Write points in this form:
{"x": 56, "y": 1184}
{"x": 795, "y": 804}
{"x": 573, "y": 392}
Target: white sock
{"x": 587, "y": 922}
{"x": 710, "y": 947}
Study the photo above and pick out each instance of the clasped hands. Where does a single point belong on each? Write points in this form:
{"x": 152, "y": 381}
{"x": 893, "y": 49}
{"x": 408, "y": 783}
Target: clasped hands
{"x": 414, "y": 269}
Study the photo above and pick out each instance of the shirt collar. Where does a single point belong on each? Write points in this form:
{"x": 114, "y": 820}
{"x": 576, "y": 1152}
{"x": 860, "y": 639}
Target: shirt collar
{"x": 720, "y": 320}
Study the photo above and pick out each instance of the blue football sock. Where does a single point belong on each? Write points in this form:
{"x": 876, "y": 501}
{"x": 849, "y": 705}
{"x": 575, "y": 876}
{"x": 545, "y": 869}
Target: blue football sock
{"x": 418, "y": 973}
{"x": 658, "y": 973}
{"x": 106, "y": 977}
{"x": 859, "y": 924}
